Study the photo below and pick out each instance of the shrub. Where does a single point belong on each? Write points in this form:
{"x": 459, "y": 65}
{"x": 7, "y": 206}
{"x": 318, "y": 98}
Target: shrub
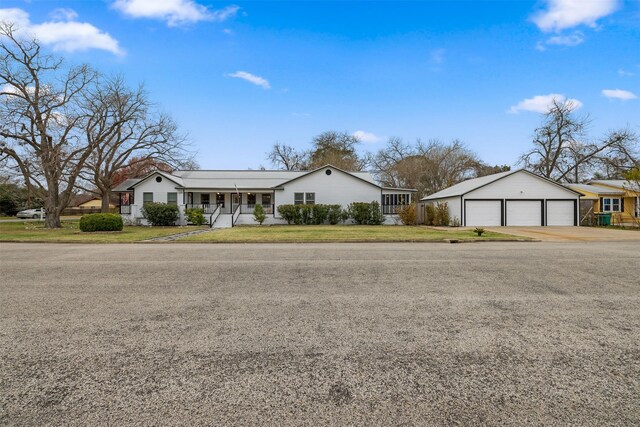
{"x": 408, "y": 214}
{"x": 258, "y": 214}
{"x": 478, "y": 231}
{"x": 335, "y": 214}
{"x": 319, "y": 214}
{"x": 430, "y": 214}
{"x": 305, "y": 214}
{"x": 441, "y": 214}
{"x": 455, "y": 222}
{"x": 366, "y": 213}
{"x": 101, "y": 222}
{"x": 160, "y": 213}
{"x": 195, "y": 216}
{"x": 289, "y": 213}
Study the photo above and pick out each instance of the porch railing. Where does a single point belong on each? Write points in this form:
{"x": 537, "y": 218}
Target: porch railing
{"x": 248, "y": 209}
{"x": 235, "y": 215}
{"x": 125, "y": 209}
{"x": 391, "y": 209}
{"x": 207, "y": 208}
{"x": 215, "y": 215}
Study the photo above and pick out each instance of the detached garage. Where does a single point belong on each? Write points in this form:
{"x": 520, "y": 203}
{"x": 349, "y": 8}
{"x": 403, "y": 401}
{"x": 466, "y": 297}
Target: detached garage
{"x": 513, "y": 198}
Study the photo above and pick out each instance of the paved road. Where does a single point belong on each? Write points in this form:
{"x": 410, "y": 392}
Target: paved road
{"x": 320, "y": 334}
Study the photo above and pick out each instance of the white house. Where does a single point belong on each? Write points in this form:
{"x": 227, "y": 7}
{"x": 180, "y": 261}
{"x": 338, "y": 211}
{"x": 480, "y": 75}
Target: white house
{"x": 228, "y": 197}
{"x": 518, "y": 198}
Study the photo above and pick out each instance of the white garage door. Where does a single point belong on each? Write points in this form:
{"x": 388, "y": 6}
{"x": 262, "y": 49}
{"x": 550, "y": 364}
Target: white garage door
{"x": 483, "y": 212}
{"x": 560, "y": 212}
{"x": 524, "y": 212}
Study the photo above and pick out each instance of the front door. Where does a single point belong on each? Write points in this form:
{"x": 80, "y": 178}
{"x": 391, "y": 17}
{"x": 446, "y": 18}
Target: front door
{"x": 236, "y": 199}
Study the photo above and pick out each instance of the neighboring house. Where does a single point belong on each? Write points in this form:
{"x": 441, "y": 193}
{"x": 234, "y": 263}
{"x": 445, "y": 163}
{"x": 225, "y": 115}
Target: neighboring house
{"x": 518, "y": 198}
{"x": 617, "y": 197}
{"x": 228, "y": 197}
{"x": 94, "y": 203}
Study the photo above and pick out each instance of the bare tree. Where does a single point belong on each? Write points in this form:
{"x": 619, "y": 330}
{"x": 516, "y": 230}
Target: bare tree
{"x": 428, "y": 167}
{"x": 562, "y": 152}
{"x": 41, "y": 120}
{"x": 336, "y": 148}
{"x": 286, "y": 157}
{"x": 125, "y": 130}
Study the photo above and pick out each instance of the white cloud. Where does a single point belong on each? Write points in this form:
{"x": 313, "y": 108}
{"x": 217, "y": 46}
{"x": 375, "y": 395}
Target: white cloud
{"x": 256, "y": 80}
{"x": 366, "y": 137}
{"x": 437, "y": 56}
{"x": 562, "y": 14}
{"x": 623, "y": 95}
{"x": 174, "y": 12}
{"x": 566, "y": 40}
{"x": 625, "y": 73}
{"x": 542, "y": 103}
{"x": 63, "y": 14}
{"x": 63, "y": 33}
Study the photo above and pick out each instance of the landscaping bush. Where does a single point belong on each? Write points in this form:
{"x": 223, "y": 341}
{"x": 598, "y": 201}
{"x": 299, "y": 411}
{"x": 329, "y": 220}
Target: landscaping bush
{"x": 289, "y": 213}
{"x": 478, "y": 231}
{"x": 408, "y": 214}
{"x": 430, "y": 214}
{"x": 258, "y": 214}
{"x": 319, "y": 214}
{"x": 160, "y": 214}
{"x": 441, "y": 214}
{"x": 366, "y": 213}
{"x": 195, "y": 216}
{"x": 101, "y": 222}
{"x": 335, "y": 214}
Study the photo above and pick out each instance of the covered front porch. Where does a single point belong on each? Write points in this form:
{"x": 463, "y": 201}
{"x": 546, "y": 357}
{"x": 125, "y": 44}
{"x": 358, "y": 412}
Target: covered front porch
{"x": 228, "y": 202}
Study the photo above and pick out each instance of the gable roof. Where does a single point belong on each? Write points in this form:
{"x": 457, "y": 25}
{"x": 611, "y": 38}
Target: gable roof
{"x": 125, "y": 185}
{"x": 175, "y": 179}
{"x": 618, "y": 183}
{"x": 596, "y": 189}
{"x": 353, "y": 174}
{"x": 470, "y": 185}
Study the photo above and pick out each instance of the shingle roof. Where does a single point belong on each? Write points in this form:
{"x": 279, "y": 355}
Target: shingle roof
{"x": 124, "y": 185}
{"x": 620, "y": 183}
{"x": 597, "y": 189}
{"x": 466, "y": 186}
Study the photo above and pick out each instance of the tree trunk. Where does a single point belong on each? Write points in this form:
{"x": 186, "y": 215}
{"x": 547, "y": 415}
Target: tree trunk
{"x": 106, "y": 199}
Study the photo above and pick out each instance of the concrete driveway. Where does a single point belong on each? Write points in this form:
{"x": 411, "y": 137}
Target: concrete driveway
{"x": 571, "y": 234}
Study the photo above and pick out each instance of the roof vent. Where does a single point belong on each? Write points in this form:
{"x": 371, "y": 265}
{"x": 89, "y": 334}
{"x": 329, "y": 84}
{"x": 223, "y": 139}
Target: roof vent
{"x": 328, "y": 171}
{"x": 158, "y": 179}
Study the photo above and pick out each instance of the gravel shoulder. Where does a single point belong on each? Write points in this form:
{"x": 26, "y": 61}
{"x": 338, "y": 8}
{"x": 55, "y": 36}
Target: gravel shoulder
{"x": 320, "y": 334}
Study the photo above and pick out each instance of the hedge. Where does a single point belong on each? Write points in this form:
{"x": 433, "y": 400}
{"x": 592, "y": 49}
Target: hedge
{"x": 312, "y": 214}
{"x": 101, "y": 222}
{"x": 366, "y": 213}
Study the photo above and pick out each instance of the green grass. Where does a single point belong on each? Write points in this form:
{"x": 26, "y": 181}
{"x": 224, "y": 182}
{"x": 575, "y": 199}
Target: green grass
{"x": 34, "y": 231}
{"x": 340, "y": 233}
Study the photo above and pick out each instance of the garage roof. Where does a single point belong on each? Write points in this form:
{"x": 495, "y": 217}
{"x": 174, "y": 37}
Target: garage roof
{"x": 473, "y": 184}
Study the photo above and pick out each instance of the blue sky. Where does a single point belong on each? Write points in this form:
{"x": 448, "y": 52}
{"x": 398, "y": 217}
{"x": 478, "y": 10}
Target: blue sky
{"x": 240, "y": 76}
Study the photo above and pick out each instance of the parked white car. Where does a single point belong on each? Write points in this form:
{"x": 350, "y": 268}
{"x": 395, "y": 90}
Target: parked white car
{"x": 31, "y": 213}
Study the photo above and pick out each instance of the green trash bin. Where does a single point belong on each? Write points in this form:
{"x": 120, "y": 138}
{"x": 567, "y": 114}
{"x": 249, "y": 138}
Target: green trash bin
{"x": 604, "y": 218}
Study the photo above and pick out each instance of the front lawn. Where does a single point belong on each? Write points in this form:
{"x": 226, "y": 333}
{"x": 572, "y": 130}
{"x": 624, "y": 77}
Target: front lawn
{"x": 34, "y": 231}
{"x": 340, "y": 233}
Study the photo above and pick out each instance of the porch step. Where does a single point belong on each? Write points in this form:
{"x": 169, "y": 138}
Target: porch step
{"x": 223, "y": 221}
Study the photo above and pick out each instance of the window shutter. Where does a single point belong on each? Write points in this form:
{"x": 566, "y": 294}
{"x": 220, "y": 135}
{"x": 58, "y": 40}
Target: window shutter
{"x": 601, "y": 208}
{"x": 621, "y": 204}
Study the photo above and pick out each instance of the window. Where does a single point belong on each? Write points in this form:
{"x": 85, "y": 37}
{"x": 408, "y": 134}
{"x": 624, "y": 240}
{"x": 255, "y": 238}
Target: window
{"x": 266, "y": 200}
{"x": 310, "y": 198}
{"x": 147, "y": 198}
{"x": 172, "y": 198}
{"x": 298, "y": 198}
{"x": 204, "y": 198}
{"x": 220, "y": 199}
{"x": 611, "y": 204}
{"x": 396, "y": 199}
{"x": 251, "y": 199}
{"x": 158, "y": 179}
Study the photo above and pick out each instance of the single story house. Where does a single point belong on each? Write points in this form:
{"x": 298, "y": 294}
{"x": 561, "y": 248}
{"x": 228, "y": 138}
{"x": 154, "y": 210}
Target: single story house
{"x": 228, "y": 197}
{"x": 93, "y": 203}
{"x": 617, "y": 197}
{"x": 512, "y": 198}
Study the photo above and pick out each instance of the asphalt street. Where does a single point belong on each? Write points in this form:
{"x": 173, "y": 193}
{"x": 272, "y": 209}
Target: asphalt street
{"x": 320, "y": 334}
